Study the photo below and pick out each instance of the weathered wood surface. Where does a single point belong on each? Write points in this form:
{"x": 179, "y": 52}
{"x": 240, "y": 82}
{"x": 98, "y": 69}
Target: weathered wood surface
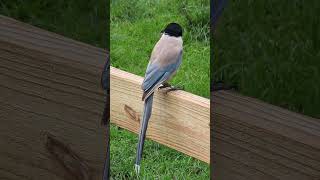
{"x": 48, "y": 84}
{"x": 253, "y": 140}
{"x": 179, "y": 119}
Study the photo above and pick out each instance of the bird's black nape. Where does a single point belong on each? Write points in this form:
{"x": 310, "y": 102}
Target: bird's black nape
{"x": 173, "y": 29}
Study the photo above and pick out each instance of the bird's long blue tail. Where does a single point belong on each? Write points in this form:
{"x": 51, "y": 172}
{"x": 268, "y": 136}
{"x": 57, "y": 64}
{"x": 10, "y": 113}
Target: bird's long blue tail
{"x": 143, "y": 129}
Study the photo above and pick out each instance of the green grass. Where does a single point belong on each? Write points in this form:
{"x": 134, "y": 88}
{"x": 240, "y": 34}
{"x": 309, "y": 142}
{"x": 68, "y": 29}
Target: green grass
{"x": 83, "y": 20}
{"x": 135, "y": 28}
{"x": 159, "y": 162}
{"x": 271, "y": 50}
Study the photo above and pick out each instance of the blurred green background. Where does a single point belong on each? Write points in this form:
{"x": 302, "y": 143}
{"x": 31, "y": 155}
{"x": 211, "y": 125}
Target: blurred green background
{"x": 271, "y": 50}
{"x": 83, "y": 20}
{"x": 135, "y": 28}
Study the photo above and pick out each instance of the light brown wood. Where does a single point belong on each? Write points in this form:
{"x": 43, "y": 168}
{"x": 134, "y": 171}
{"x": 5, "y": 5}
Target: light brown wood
{"x": 179, "y": 119}
{"x": 49, "y": 84}
{"x": 254, "y": 140}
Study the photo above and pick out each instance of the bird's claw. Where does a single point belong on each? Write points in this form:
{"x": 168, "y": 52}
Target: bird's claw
{"x": 173, "y": 88}
{"x": 164, "y": 85}
{"x": 170, "y": 88}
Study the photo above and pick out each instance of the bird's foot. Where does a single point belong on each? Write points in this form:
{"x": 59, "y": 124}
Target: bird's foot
{"x": 173, "y": 88}
{"x": 169, "y": 88}
{"x": 220, "y": 85}
{"x": 137, "y": 169}
{"x": 164, "y": 85}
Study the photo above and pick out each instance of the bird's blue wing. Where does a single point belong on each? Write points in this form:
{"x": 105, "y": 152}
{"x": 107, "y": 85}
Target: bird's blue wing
{"x": 155, "y": 74}
{"x": 153, "y": 78}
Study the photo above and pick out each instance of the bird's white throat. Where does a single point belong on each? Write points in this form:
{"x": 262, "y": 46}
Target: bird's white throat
{"x": 166, "y": 37}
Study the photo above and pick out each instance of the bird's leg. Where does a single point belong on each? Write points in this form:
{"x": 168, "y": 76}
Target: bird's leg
{"x": 173, "y": 88}
{"x": 219, "y": 85}
{"x": 164, "y": 85}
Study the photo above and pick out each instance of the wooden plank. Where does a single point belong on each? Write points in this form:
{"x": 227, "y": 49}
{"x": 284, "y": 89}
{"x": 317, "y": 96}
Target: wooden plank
{"x": 50, "y": 84}
{"x": 255, "y": 140}
{"x": 179, "y": 120}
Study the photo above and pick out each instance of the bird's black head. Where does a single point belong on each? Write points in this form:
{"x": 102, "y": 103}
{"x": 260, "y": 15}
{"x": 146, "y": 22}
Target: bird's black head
{"x": 173, "y": 29}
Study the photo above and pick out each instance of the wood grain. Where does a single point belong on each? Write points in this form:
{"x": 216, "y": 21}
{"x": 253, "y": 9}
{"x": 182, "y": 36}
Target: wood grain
{"x": 49, "y": 83}
{"x": 255, "y": 140}
{"x": 179, "y": 120}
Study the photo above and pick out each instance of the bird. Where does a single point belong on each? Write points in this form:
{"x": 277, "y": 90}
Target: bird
{"x": 166, "y": 58}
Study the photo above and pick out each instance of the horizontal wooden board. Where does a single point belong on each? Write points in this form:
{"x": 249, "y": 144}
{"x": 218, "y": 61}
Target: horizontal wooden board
{"x": 179, "y": 120}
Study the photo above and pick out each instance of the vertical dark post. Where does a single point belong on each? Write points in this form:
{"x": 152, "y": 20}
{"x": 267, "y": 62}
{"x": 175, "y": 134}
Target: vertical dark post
{"x": 216, "y": 8}
{"x": 105, "y": 121}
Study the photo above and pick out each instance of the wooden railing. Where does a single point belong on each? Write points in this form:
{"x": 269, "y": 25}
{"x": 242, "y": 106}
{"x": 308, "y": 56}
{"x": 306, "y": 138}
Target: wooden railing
{"x": 179, "y": 120}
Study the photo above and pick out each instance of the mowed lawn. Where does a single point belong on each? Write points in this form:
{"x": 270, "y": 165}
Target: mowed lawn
{"x": 271, "y": 50}
{"x": 135, "y": 28}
